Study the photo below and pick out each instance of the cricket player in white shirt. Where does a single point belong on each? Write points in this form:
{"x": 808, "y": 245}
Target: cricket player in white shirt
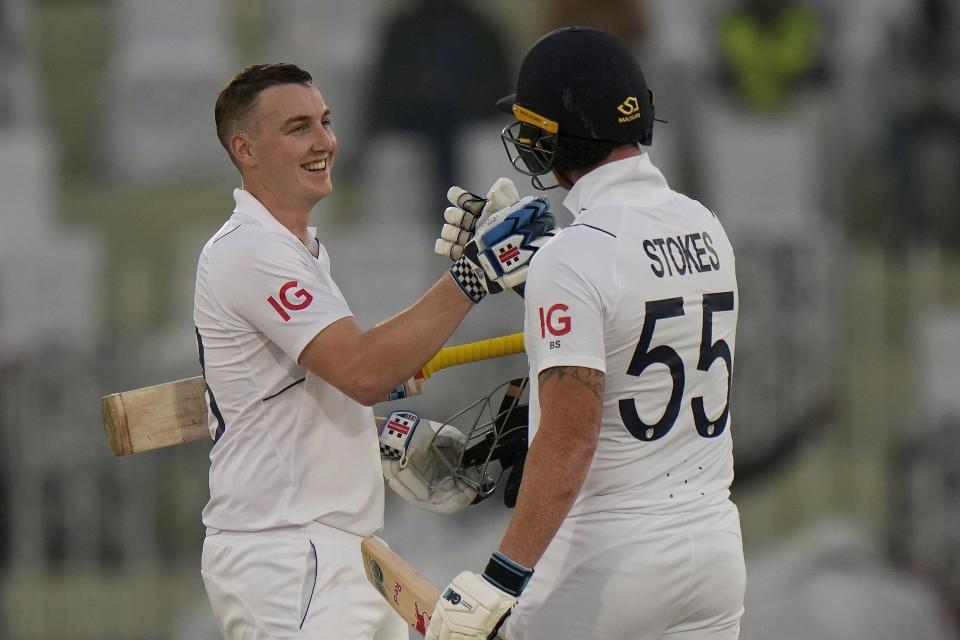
{"x": 295, "y": 470}
{"x": 623, "y": 528}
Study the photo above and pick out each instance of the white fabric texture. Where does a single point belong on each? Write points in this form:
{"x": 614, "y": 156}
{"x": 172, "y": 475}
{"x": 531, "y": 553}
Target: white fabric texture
{"x": 609, "y": 577}
{"x": 295, "y": 582}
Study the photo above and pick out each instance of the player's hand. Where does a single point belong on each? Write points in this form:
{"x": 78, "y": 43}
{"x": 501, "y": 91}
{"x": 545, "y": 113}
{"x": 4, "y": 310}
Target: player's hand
{"x": 419, "y": 457}
{"x": 468, "y": 209}
{"x": 499, "y": 255}
{"x": 475, "y": 606}
{"x": 469, "y": 608}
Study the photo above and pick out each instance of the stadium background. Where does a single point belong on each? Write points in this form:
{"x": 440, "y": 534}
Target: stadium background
{"x": 832, "y": 155}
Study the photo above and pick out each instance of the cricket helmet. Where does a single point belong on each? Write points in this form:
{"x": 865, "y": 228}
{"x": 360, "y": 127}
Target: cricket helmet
{"x": 577, "y": 82}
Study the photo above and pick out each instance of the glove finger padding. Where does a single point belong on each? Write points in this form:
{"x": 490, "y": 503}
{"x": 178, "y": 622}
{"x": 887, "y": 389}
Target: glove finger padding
{"x": 459, "y": 218}
{"x": 469, "y": 208}
{"x": 422, "y": 474}
{"x": 455, "y": 235}
{"x": 499, "y": 254}
{"x": 466, "y": 201}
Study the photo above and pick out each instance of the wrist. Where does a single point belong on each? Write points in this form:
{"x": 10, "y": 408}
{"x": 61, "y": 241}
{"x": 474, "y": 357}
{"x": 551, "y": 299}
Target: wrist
{"x": 464, "y": 276}
{"x": 507, "y": 575}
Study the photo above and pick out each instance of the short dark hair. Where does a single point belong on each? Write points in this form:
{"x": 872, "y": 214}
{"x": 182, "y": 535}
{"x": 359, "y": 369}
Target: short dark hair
{"x": 577, "y": 153}
{"x": 236, "y": 99}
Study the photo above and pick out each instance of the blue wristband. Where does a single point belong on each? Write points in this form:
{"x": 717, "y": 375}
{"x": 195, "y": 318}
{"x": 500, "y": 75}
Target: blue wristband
{"x": 507, "y": 575}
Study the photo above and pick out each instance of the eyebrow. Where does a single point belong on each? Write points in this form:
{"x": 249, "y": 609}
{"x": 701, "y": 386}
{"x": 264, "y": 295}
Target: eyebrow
{"x": 298, "y": 119}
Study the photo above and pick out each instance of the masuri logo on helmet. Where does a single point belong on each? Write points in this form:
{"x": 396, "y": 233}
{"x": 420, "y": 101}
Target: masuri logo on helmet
{"x": 629, "y": 108}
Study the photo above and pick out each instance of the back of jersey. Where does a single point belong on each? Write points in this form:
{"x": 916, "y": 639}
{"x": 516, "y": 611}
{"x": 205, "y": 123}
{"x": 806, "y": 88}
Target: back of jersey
{"x": 658, "y": 283}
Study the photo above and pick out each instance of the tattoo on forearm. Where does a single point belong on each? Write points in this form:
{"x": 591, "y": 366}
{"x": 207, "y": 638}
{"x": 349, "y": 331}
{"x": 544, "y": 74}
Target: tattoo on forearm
{"x": 590, "y": 378}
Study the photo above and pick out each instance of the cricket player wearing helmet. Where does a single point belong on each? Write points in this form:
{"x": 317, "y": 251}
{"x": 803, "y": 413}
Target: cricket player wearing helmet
{"x": 623, "y": 528}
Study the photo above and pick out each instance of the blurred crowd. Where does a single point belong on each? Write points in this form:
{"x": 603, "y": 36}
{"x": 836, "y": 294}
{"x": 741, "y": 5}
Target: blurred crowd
{"x": 825, "y": 135}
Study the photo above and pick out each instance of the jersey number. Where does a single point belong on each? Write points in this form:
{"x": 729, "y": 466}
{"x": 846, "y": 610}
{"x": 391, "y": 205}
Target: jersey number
{"x": 644, "y": 356}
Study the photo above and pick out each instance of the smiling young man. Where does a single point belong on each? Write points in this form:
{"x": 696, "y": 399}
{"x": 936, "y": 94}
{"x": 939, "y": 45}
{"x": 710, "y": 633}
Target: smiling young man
{"x": 295, "y": 470}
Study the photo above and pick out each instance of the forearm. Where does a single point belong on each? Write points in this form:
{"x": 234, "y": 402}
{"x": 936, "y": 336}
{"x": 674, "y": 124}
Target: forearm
{"x": 368, "y": 365}
{"x": 557, "y": 465}
{"x": 558, "y": 461}
{"x": 554, "y": 472}
{"x": 396, "y": 349}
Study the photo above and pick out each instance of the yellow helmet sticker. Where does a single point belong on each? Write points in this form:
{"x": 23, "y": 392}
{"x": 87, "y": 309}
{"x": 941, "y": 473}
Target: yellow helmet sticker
{"x": 529, "y": 117}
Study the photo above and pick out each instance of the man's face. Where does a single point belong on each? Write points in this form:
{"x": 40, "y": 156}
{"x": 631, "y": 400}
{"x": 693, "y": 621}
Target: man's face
{"x": 293, "y": 144}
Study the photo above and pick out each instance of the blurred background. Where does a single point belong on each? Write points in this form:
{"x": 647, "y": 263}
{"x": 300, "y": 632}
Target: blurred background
{"x": 826, "y": 135}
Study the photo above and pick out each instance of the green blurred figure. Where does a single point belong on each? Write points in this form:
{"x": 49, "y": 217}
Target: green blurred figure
{"x": 768, "y": 46}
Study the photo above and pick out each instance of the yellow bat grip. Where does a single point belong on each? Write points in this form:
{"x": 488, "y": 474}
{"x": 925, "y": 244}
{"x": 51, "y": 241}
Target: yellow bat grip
{"x": 474, "y": 352}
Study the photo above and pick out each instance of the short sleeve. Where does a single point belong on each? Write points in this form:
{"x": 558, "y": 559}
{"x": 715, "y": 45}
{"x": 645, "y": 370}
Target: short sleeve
{"x": 284, "y": 293}
{"x": 564, "y": 314}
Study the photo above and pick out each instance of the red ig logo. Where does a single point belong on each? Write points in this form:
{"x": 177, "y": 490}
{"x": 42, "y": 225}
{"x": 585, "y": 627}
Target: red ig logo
{"x": 556, "y": 325}
{"x": 302, "y": 295}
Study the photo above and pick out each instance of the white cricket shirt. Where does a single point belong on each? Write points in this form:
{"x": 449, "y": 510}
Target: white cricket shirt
{"x": 642, "y": 287}
{"x": 290, "y": 448}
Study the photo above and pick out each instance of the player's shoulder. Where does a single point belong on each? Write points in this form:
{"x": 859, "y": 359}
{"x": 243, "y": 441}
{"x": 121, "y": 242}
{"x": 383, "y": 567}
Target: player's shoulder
{"x": 600, "y": 222}
{"x": 693, "y": 207}
{"x": 583, "y": 244}
{"x": 240, "y": 245}
{"x": 250, "y": 239}
{"x": 593, "y": 232}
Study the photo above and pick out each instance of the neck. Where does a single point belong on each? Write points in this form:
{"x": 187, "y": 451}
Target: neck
{"x": 291, "y": 215}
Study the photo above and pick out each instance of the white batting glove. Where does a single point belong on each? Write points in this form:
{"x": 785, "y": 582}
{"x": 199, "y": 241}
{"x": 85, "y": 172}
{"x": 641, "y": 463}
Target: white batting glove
{"x": 419, "y": 467}
{"x": 467, "y": 211}
{"x": 499, "y": 254}
{"x": 474, "y": 607}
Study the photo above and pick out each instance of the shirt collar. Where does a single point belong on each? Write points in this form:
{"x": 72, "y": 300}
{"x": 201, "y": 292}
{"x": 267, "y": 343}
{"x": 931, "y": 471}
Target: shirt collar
{"x": 634, "y": 178}
{"x": 248, "y": 205}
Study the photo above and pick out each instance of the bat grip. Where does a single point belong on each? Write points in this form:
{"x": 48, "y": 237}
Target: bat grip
{"x": 460, "y": 354}
{"x": 474, "y": 352}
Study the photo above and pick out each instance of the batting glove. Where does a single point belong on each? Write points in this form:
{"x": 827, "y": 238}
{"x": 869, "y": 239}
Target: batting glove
{"x": 474, "y": 607}
{"x": 468, "y": 209}
{"x": 499, "y": 255}
{"x": 419, "y": 458}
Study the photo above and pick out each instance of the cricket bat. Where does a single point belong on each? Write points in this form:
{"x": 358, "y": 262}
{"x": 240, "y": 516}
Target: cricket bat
{"x": 409, "y": 593}
{"x": 173, "y": 413}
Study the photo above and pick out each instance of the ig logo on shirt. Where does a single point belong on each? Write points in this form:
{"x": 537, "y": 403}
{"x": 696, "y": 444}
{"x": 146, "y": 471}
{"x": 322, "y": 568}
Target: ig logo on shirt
{"x": 301, "y": 299}
{"x": 555, "y": 322}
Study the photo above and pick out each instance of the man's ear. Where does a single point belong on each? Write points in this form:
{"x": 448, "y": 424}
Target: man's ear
{"x": 241, "y": 149}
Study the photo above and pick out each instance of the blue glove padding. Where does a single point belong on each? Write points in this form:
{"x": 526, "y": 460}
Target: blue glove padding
{"x": 499, "y": 254}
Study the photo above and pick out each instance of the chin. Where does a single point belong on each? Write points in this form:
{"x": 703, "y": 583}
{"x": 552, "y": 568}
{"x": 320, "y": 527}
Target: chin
{"x": 326, "y": 190}
{"x": 323, "y": 189}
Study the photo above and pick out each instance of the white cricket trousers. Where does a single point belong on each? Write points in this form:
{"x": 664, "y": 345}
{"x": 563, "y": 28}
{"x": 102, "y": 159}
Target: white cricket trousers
{"x": 637, "y": 577}
{"x": 294, "y": 582}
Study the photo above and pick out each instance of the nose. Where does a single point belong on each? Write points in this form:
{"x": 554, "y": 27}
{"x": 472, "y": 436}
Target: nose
{"x": 324, "y": 140}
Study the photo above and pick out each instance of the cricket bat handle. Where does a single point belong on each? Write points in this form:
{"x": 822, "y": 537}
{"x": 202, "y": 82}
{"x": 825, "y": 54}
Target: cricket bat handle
{"x": 460, "y": 354}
